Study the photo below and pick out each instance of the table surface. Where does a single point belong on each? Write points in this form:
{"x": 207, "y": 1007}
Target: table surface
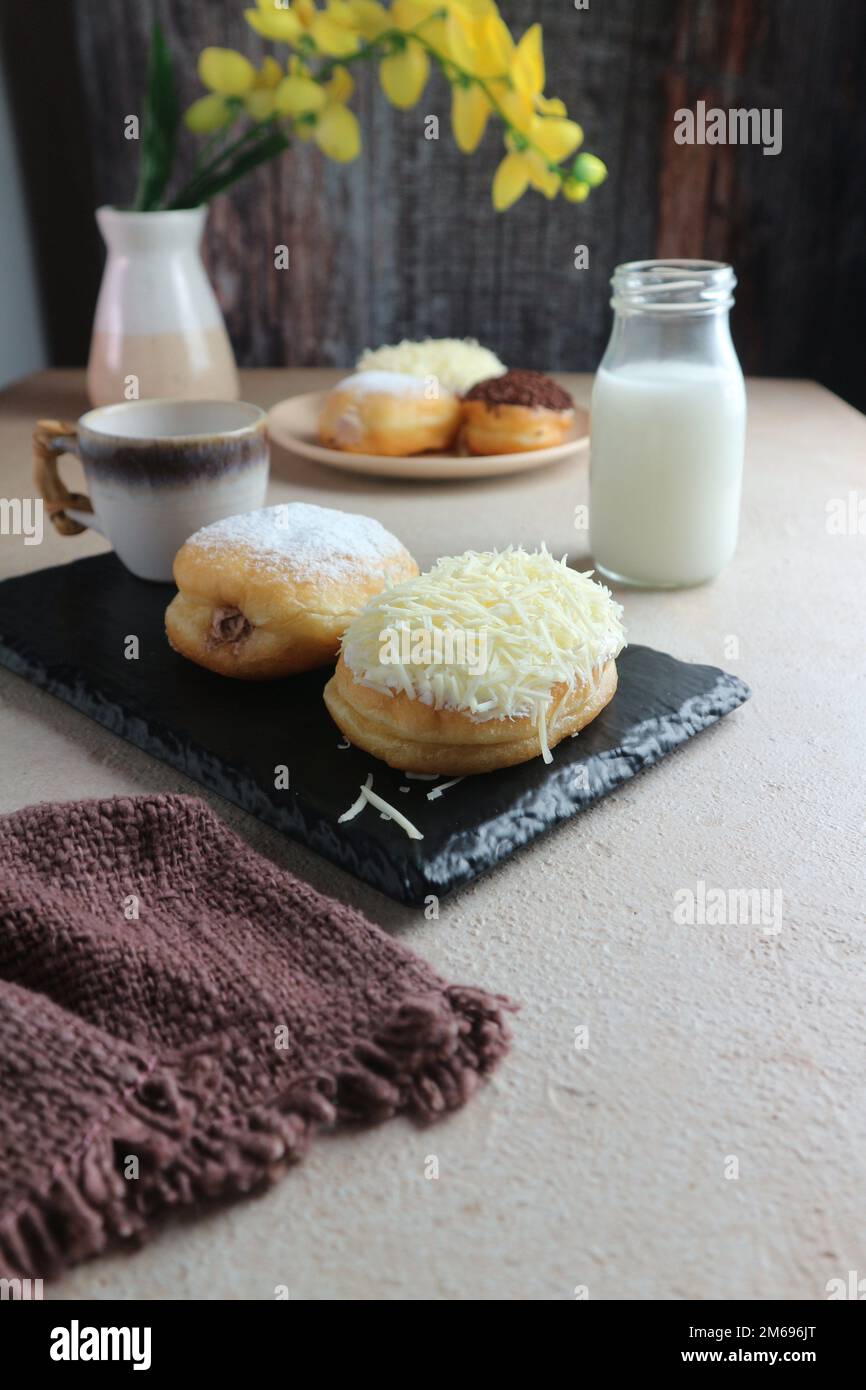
{"x": 710, "y": 1141}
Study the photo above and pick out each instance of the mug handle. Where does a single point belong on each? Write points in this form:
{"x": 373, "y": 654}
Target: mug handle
{"x": 51, "y": 438}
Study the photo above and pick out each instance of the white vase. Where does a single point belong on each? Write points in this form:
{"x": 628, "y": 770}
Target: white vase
{"x": 158, "y": 329}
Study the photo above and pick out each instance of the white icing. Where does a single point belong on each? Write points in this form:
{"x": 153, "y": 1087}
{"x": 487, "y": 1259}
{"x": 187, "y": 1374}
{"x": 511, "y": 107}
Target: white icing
{"x": 304, "y": 540}
{"x": 457, "y": 363}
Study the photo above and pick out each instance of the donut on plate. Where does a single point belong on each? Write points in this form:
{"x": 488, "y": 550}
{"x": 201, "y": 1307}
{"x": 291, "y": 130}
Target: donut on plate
{"x": 389, "y": 413}
{"x": 515, "y": 413}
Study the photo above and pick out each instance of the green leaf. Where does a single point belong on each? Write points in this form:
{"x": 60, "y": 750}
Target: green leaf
{"x": 268, "y": 145}
{"x": 158, "y": 134}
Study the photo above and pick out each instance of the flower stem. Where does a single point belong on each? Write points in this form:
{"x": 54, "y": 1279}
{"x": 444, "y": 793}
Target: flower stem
{"x": 206, "y": 153}
{"x": 273, "y": 144}
{"x": 211, "y": 178}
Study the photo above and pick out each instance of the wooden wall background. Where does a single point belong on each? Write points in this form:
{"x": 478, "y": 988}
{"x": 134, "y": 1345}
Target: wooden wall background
{"x": 405, "y": 242}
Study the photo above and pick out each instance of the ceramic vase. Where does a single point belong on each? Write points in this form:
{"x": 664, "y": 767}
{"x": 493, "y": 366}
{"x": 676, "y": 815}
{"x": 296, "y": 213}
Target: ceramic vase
{"x": 158, "y": 329}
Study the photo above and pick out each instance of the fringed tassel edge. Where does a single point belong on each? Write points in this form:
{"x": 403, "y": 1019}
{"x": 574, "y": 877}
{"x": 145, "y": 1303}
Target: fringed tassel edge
{"x": 427, "y": 1061}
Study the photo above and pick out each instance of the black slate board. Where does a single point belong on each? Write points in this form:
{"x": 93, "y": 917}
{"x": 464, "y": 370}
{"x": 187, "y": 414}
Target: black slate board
{"x": 65, "y": 629}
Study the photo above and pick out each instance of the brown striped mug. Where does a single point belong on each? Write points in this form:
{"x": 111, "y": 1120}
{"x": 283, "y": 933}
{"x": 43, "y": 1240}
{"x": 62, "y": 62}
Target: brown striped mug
{"x": 156, "y": 471}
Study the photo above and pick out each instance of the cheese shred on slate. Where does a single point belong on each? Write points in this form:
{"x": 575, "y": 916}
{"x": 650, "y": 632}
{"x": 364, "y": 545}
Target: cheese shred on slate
{"x": 382, "y": 805}
{"x": 371, "y": 798}
{"x": 357, "y": 806}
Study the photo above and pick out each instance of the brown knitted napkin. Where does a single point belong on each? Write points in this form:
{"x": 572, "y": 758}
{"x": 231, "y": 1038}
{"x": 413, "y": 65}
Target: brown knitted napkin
{"x": 178, "y": 1015}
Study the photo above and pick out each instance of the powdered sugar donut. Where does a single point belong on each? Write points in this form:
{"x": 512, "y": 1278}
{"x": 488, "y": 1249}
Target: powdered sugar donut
{"x": 270, "y": 593}
{"x": 389, "y": 413}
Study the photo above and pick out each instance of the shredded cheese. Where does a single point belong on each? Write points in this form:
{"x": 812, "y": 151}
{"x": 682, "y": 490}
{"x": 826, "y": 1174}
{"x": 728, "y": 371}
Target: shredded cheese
{"x": 357, "y": 806}
{"x": 382, "y": 805}
{"x": 443, "y": 787}
{"x": 389, "y": 812}
{"x": 456, "y": 363}
{"x": 537, "y": 623}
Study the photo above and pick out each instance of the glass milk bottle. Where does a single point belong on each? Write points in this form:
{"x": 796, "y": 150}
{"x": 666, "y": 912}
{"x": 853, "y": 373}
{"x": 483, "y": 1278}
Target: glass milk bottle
{"x": 668, "y": 427}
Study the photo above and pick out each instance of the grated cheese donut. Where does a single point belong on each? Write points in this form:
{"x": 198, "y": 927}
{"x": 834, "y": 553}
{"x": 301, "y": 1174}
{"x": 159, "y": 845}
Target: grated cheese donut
{"x": 457, "y": 363}
{"x": 270, "y": 593}
{"x": 487, "y": 660}
{"x": 389, "y": 413}
{"x": 417, "y": 738}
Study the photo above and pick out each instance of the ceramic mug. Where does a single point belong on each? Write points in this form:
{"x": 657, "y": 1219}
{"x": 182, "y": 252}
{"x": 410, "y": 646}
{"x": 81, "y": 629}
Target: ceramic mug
{"x": 156, "y": 471}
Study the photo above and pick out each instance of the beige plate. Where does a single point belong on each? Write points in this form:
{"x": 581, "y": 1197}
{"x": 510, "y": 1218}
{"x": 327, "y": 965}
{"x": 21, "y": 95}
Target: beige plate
{"x": 293, "y": 424}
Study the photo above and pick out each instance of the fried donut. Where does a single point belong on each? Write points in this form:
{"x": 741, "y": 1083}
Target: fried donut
{"x": 487, "y": 660}
{"x": 389, "y": 413}
{"x": 515, "y": 413}
{"x": 417, "y": 738}
{"x": 270, "y": 593}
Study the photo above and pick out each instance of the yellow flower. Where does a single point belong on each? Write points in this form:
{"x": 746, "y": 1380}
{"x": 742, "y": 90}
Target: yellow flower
{"x": 226, "y": 72}
{"x": 208, "y": 114}
{"x": 230, "y": 76}
{"x": 555, "y": 136}
{"x": 369, "y": 17}
{"x": 334, "y": 30}
{"x": 338, "y": 134}
{"x": 479, "y": 39}
{"x": 510, "y": 181}
{"x": 427, "y": 18}
{"x": 410, "y": 14}
{"x": 550, "y": 106}
{"x": 297, "y": 95}
{"x": 336, "y": 131}
{"x": 470, "y": 109}
{"x": 404, "y": 72}
{"x": 525, "y": 92}
{"x": 520, "y": 169}
{"x": 489, "y": 73}
{"x": 527, "y": 69}
{"x": 261, "y": 102}
{"x": 404, "y": 75}
{"x": 341, "y": 86}
{"x": 270, "y": 74}
{"x": 275, "y": 21}
{"x": 541, "y": 176}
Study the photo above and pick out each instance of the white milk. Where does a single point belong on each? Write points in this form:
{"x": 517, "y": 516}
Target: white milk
{"x": 666, "y": 470}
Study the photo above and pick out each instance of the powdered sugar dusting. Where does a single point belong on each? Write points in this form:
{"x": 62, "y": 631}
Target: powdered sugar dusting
{"x": 304, "y": 540}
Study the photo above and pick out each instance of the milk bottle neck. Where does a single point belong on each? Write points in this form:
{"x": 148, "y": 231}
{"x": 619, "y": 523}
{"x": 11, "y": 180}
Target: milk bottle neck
{"x": 703, "y": 338}
{"x": 672, "y": 311}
